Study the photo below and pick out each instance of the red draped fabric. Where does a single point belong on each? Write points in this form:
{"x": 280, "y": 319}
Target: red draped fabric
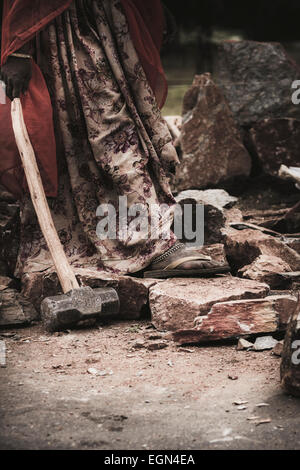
{"x": 37, "y": 110}
{"x": 22, "y": 20}
{"x": 146, "y": 25}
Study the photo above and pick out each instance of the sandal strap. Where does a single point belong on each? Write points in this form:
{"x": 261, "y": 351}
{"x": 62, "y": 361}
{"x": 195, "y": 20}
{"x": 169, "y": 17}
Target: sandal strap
{"x": 180, "y": 261}
{"x": 166, "y": 254}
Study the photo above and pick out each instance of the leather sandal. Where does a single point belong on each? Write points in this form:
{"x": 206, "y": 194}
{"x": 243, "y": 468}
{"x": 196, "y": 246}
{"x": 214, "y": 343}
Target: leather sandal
{"x": 168, "y": 264}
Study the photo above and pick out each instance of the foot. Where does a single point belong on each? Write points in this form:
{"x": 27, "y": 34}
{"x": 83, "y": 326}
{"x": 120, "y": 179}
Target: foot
{"x": 181, "y": 260}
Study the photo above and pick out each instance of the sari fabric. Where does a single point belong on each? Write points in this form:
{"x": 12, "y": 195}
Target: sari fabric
{"x": 22, "y": 21}
{"x": 111, "y": 142}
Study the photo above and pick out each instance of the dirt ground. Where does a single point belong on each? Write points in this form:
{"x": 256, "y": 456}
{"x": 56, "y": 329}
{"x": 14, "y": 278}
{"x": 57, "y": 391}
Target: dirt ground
{"x": 174, "y": 398}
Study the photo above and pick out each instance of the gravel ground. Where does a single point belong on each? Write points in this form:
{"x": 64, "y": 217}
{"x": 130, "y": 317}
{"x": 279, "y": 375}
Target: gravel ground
{"x": 173, "y": 398}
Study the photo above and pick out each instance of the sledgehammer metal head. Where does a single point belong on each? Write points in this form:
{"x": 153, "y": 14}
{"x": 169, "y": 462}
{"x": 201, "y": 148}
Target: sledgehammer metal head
{"x": 64, "y": 311}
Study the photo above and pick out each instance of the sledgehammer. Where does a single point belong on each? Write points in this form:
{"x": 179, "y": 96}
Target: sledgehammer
{"x": 77, "y": 303}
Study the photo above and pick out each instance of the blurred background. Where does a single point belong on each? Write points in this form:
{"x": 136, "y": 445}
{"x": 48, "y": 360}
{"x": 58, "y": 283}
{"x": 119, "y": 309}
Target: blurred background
{"x": 201, "y": 24}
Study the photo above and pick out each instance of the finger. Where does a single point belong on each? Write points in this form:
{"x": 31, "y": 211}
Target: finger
{"x": 17, "y": 88}
{"x": 9, "y": 89}
{"x": 25, "y": 86}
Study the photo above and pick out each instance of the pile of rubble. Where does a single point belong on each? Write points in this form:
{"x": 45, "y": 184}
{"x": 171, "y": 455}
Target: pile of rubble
{"x": 256, "y": 298}
{"x": 240, "y": 122}
{"x": 244, "y": 117}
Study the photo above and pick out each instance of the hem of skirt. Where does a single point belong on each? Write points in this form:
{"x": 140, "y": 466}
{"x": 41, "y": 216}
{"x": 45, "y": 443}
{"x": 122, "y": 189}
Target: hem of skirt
{"x": 142, "y": 266}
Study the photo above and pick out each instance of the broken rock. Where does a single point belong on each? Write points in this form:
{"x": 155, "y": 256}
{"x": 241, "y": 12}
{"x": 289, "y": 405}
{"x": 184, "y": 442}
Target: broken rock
{"x": 15, "y": 310}
{"x": 256, "y": 78}
{"x": 278, "y": 348}
{"x": 293, "y": 243}
{"x": 266, "y": 269}
{"x": 243, "y": 344}
{"x": 233, "y": 319}
{"x": 277, "y": 143}
{"x": 214, "y": 197}
{"x": 264, "y": 343}
{"x": 176, "y": 303}
{"x": 212, "y": 147}
{"x": 214, "y": 217}
{"x": 93, "y": 371}
{"x": 217, "y": 204}
{"x": 158, "y": 345}
{"x": 255, "y": 255}
{"x": 289, "y": 280}
{"x": 290, "y": 363}
{"x": 291, "y": 174}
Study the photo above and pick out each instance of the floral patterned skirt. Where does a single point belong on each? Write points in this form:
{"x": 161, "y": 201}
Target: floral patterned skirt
{"x": 111, "y": 140}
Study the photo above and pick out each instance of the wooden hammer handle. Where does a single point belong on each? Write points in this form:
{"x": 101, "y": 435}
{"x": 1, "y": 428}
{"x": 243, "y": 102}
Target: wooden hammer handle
{"x": 64, "y": 271}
